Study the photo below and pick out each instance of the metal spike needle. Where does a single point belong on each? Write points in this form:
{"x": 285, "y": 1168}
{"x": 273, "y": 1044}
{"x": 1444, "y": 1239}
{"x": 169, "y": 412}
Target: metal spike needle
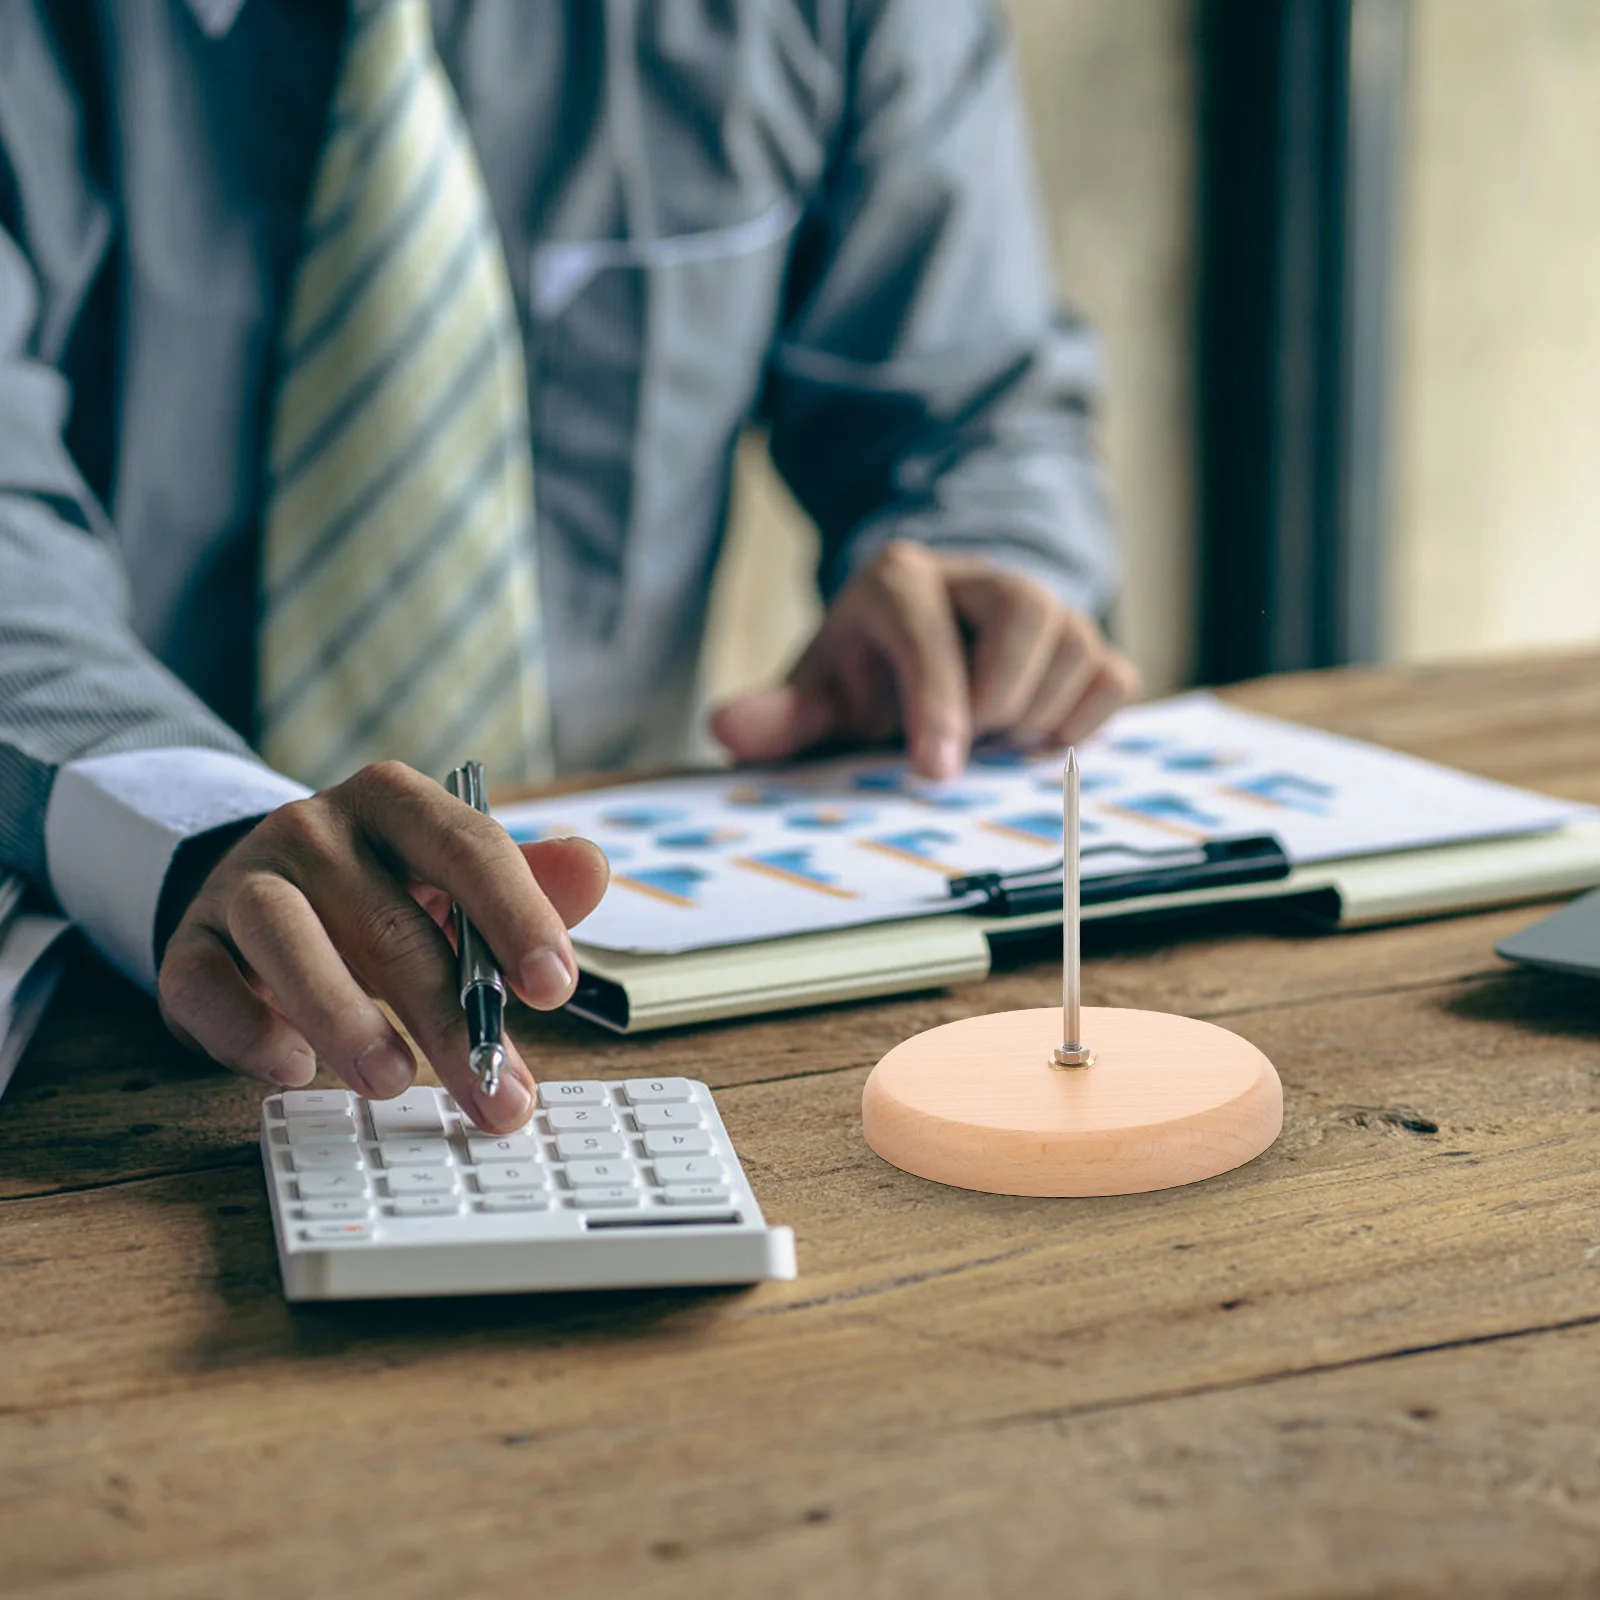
{"x": 1072, "y": 1051}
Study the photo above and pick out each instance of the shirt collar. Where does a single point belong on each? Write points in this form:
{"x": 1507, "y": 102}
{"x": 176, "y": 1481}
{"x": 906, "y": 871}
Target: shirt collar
{"x": 215, "y": 16}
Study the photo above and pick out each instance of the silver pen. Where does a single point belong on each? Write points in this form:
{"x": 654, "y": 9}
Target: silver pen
{"x": 483, "y": 990}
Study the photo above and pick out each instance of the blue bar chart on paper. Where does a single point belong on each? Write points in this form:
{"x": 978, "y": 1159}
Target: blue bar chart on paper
{"x": 723, "y": 858}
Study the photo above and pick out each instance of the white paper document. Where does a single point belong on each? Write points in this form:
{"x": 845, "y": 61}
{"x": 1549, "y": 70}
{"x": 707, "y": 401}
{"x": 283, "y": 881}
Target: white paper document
{"x": 733, "y": 857}
{"x": 27, "y": 978}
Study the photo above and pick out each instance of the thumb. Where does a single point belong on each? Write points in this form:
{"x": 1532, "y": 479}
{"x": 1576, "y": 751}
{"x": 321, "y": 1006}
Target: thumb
{"x": 774, "y": 724}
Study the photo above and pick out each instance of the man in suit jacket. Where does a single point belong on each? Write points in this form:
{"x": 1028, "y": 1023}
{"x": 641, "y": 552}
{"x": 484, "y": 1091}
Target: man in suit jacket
{"x": 261, "y": 259}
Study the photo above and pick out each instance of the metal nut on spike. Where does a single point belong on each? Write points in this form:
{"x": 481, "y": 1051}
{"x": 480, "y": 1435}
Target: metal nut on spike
{"x": 1065, "y": 1057}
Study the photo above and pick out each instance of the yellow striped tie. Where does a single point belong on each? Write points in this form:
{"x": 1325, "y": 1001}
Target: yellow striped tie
{"x": 399, "y": 580}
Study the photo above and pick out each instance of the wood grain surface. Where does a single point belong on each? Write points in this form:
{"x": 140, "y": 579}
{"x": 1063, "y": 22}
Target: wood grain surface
{"x": 1363, "y": 1365}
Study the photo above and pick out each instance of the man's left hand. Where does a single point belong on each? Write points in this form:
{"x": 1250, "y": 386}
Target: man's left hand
{"x": 941, "y": 648}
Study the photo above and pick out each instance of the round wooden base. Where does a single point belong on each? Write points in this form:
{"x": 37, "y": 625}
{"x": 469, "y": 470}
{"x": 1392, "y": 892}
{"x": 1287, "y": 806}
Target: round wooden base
{"x": 1168, "y": 1100}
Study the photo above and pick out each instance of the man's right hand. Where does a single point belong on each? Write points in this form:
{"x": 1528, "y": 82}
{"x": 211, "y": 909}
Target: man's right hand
{"x": 318, "y": 913}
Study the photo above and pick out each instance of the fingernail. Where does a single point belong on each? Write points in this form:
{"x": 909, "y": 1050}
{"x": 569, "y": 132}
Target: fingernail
{"x": 547, "y": 980}
{"x": 944, "y": 755}
{"x": 384, "y": 1069}
{"x": 298, "y": 1069}
{"x": 508, "y": 1107}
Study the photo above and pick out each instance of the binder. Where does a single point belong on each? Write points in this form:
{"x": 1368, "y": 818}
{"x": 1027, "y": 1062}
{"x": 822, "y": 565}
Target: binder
{"x": 643, "y": 993}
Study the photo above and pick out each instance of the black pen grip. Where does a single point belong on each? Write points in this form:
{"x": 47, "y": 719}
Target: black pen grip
{"x": 485, "y": 1006}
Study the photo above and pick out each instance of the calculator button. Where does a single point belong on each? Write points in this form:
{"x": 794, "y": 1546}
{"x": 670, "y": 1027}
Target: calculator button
{"x": 509, "y": 1175}
{"x": 515, "y": 1200}
{"x": 310, "y": 1156}
{"x": 576, "y": 1093}
{"x": 599, "y": 1174}
{"x": 416, "y": 1111}
{"x": 421, "y": 1180}
{"x": 677, "y": 1142}
{"x": 615, "y": 1195}
{"x": 652, "y": 1091}
{"x": 425, "y": 1205}
{"x": 694, "y": 1194}
{"x": 589, "y": 1146}
{"x": 688, "y": 1169}
{"x": 328, "y": 1210}
{"x": 330, "y": 1183}
{"x": 415, "y": 1152}
{"x": 319, "y": 1130}
{"x": 573, "y": 1119}
{"x": 332, "y": 1232}
{"x": 671, "y": 1116}
{"x": 317, "y": 1103}
{"x": 513, "y": 1147}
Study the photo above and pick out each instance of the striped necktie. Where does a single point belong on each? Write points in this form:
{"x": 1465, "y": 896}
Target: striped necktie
{"x": 399, "y": 581}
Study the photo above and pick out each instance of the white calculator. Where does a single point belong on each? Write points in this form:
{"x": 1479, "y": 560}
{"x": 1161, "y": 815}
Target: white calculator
{"x": 610, "y": 1186}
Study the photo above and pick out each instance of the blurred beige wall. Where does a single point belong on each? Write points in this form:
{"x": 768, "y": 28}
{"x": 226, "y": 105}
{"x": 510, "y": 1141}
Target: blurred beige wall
{"x": 1108, "y": 90}
{"x": 1498, "y": 403}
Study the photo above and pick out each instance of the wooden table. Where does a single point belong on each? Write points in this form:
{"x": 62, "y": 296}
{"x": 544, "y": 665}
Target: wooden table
{"x": 1366, "y": 1364}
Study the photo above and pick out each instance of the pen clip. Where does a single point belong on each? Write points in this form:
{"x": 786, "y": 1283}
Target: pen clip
{"x": 467, "y": 784}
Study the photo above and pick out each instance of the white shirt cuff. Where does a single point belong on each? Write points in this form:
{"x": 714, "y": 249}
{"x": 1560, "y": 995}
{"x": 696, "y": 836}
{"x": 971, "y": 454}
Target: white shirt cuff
{"x": 114, "y": 823}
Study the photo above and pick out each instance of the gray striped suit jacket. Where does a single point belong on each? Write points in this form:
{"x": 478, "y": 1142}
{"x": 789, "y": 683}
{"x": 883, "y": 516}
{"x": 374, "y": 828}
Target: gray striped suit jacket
{"x": 815, "y": 213}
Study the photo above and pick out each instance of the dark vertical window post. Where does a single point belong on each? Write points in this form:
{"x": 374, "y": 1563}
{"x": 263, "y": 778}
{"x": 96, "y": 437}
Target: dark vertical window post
{"x": 1299, "y": 136}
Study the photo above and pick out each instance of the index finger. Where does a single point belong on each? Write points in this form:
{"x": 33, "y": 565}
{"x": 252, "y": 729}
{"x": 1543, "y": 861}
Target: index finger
{"x": 403, "y": 958}
{"x": 444, "y": 842}
{"x": 917, "y": 630}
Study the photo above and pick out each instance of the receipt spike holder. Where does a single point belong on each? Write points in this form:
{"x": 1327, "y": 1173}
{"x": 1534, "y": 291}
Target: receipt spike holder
{"x": 1017, "y": 1102}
